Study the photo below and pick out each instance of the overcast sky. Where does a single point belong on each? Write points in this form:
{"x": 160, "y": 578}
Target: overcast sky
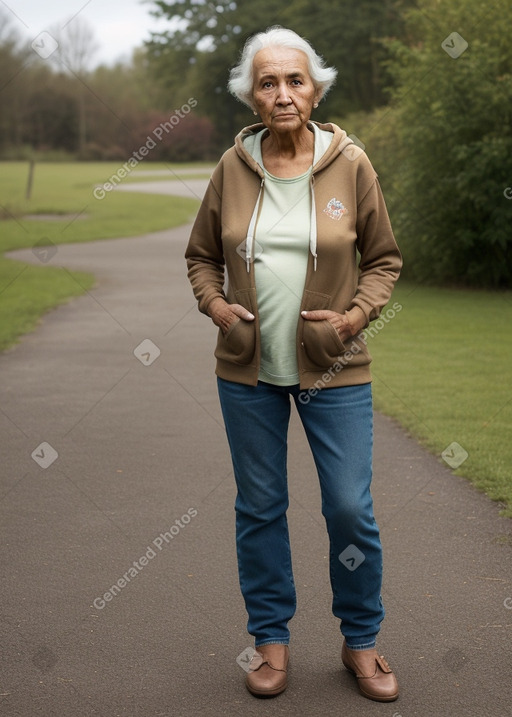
{"x": 119, "y": 25}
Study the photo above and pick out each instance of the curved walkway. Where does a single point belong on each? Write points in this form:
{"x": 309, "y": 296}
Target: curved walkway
{"x": 119, "y": 586}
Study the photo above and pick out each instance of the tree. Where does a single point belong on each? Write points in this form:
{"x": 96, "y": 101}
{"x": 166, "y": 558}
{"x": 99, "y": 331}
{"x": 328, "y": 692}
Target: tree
{"x": 76, "y": 47}
{"x": 194, "y": 56}
{"x": 452, "y": 105}
{"x": 352, "y": 36}
{"x": 14, "y": 60}
{"x": 205, "y": 39}
{"x": 49, "y": 117}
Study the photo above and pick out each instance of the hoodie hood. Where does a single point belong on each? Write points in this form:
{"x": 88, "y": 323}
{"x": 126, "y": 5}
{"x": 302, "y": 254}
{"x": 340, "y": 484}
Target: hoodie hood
{"x": 340, "y": 141}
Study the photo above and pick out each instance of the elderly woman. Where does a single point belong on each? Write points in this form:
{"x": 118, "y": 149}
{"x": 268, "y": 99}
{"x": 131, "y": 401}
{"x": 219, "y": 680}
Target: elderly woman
{"x": 286, "y": 212}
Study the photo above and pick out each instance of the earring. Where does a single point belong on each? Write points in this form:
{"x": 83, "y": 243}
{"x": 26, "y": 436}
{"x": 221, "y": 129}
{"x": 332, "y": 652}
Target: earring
{"x": 255, "y": 114}
{"x": 315, "y": 105}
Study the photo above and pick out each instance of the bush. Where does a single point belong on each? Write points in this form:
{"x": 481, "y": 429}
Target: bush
{"x": 176, "y": 139}
{"x": 454, "y": 160}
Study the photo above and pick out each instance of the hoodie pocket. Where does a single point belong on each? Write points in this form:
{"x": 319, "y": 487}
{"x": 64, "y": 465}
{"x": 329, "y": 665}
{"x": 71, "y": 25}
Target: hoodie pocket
{"x": 238, "y": 344}
{"x": 321, "y": 343}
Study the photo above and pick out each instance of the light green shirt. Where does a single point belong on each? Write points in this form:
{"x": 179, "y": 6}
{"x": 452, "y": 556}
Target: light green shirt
{"x": 281, "y": 249}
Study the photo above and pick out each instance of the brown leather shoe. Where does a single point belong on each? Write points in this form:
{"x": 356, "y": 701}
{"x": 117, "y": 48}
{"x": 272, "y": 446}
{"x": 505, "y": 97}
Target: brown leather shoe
{"x": 267, "y": 676}
{"x": 375, "y": 677}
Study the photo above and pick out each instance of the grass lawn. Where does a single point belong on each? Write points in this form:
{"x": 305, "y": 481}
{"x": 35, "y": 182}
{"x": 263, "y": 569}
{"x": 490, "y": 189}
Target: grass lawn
{"x": 442, "y": 367}
{"x": 66, "y": 189}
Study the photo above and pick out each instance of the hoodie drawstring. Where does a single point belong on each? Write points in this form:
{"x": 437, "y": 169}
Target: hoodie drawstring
{"x": 312, "y": 230}
{"x": 249, "y": 241}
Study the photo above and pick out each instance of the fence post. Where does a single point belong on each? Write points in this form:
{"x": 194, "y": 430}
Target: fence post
{"x": 30, "y": 178}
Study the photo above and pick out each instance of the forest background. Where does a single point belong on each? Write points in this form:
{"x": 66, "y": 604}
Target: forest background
{"x": 424, "y": 86}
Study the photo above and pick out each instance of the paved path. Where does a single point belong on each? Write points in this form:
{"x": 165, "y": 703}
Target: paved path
{"x": 185, "y": 187}
{"x": 178, "y": 182}
{"x": 176, "y": 172}
{"x": 139, "y": 496}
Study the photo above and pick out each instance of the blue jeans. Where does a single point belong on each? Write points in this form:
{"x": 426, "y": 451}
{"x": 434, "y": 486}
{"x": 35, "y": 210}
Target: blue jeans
{"x": 339, "y": 427}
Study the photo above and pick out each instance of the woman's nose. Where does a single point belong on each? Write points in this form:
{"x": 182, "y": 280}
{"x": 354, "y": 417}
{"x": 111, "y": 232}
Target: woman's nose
{"x": 283, "y": 98}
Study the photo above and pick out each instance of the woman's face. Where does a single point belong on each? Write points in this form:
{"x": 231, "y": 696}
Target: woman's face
{"x": 283, "y": 91}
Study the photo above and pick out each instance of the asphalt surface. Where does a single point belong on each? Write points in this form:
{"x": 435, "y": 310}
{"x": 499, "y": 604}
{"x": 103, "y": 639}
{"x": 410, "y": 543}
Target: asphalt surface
{"x": 119, "y": 588}
{"x": 191, "y": 188}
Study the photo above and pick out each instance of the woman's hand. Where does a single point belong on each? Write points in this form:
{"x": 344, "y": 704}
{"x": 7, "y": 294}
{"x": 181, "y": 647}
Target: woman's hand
{"x": 348, "y": 324}
{"x": 224, "y": 315}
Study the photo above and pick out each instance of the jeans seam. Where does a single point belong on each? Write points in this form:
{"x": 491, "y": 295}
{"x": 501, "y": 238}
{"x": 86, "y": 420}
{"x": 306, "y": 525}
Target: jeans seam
{"x": 363, "y": 646}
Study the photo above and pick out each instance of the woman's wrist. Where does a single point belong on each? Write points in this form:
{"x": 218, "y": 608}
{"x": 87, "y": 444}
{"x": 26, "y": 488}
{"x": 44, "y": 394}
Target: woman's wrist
{"x": 356, "y": 320}
{"x": 214, "y": 305}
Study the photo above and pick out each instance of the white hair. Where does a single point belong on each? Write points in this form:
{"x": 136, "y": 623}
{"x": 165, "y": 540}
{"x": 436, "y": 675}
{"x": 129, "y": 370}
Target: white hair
{"x": 241, "y": 77}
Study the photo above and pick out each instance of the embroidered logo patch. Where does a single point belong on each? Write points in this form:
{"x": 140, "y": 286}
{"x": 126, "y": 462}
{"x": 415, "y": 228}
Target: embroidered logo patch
{"x": 335, "y": 209}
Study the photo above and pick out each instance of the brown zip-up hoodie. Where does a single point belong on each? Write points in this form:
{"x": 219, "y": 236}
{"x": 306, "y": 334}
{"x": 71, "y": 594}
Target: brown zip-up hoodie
{"x": 351, "y": 218}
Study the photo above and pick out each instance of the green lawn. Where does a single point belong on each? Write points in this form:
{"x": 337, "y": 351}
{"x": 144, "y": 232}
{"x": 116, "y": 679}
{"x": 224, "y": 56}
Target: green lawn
{"x": 442, "y": 367}
{"x": 66, "y": 189}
